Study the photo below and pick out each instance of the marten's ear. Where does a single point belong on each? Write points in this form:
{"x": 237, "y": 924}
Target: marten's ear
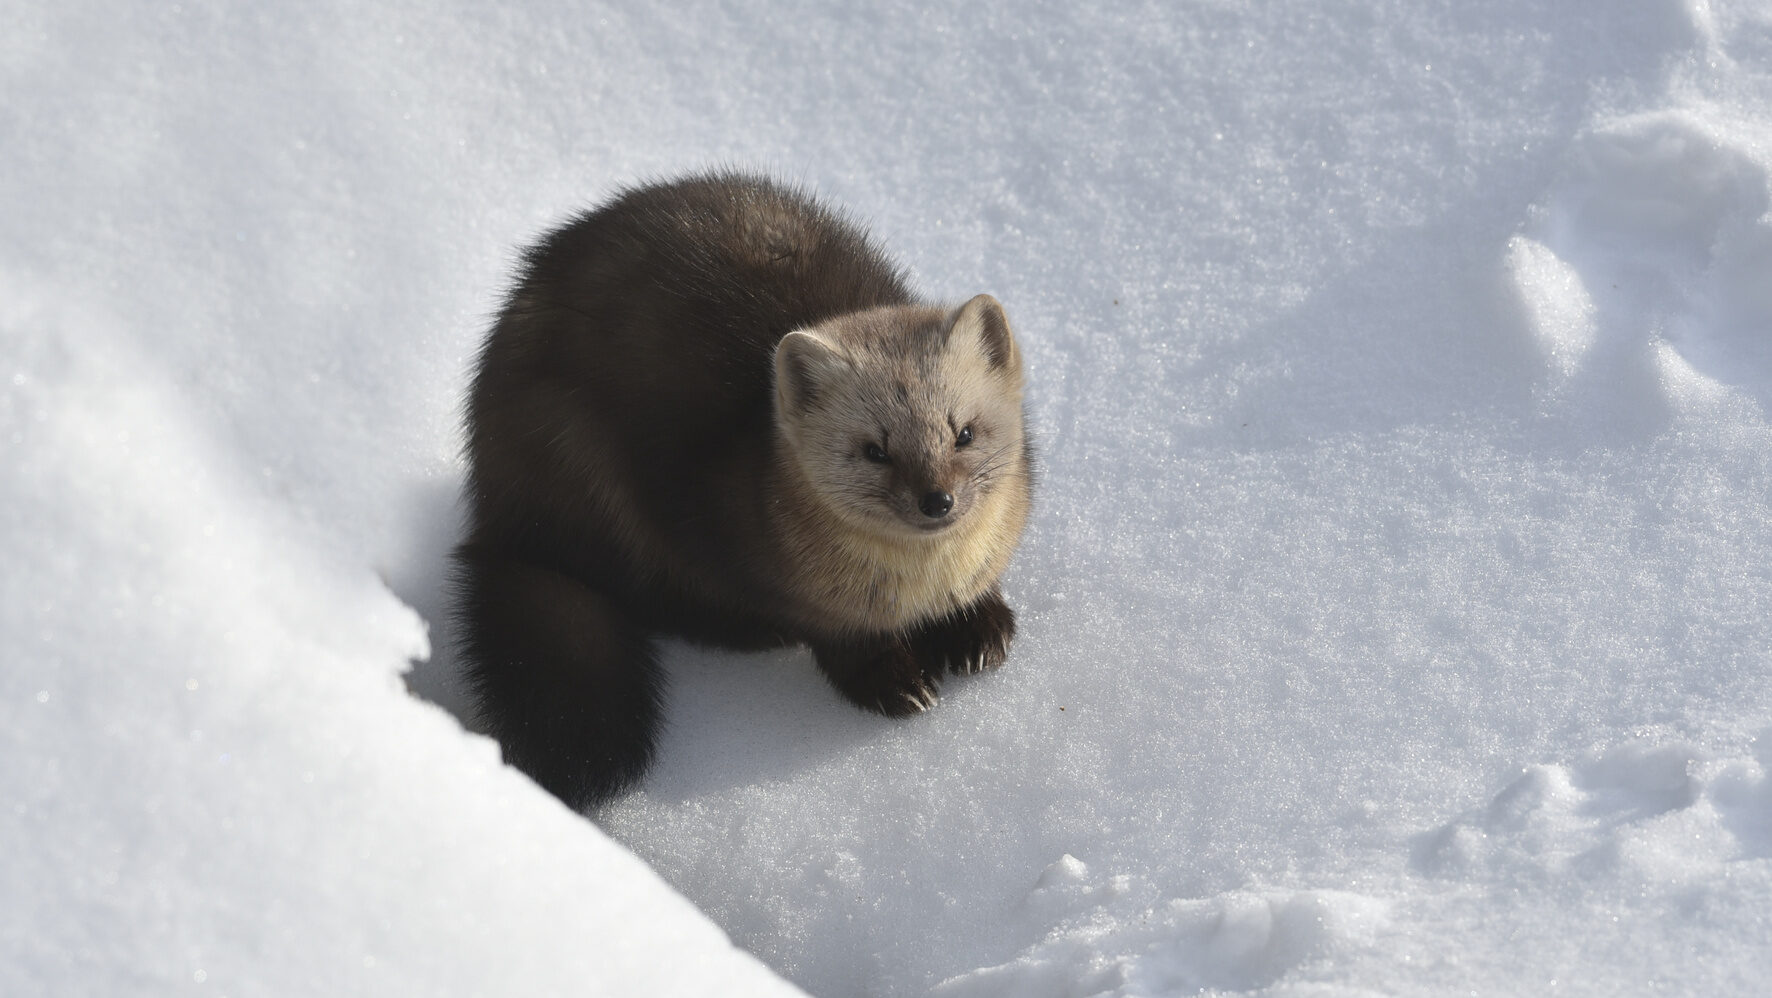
{"x": 804, "y": 364}
{"x": 981, "y": 325}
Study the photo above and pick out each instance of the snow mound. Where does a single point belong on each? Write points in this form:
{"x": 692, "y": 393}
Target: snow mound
{"x": 1644, "y": 269}
{"x": 1105, "y": 943}
{"x": 1647, "y": 813}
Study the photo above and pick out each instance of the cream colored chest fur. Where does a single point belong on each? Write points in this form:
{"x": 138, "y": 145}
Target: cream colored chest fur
{"x": 869, "y": 582}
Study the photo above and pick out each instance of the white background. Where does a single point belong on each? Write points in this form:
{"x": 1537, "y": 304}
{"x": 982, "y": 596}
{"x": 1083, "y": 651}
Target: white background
{"x": 1394, "y": 618}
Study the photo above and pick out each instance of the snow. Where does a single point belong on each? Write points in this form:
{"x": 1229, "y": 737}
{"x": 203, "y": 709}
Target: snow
{"x": 1394, "y": 617}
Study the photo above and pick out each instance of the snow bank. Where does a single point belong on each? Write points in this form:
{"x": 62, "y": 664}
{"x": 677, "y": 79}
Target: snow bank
{"x": 214, "y": 776}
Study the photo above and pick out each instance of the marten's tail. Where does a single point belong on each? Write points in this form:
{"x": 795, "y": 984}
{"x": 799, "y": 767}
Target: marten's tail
{"x": 569, "y": 687}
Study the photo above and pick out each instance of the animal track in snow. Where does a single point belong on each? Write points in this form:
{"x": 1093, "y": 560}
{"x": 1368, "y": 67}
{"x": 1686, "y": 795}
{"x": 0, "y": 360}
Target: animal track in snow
{"x": 1106, "y": 942}
{"x": 1644, "y": 270}
{"x": 1641, "y": 811}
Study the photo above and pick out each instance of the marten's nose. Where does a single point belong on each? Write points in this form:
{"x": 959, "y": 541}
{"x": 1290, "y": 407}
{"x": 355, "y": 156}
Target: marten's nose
{"x": 936, "y": 504}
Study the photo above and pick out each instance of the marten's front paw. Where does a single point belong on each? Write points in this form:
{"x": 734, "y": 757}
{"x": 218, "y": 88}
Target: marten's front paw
{"x": 913, "y": 696}
{"x": 886, "y": 677}
{"x": 973, "y": 640}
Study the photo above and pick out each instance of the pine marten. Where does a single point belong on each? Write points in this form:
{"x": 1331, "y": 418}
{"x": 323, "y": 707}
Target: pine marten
{"x": 711, "y": 408}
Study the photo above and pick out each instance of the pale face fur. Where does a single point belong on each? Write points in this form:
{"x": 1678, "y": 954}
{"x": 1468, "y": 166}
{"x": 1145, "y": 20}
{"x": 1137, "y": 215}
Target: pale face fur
{"x": 885, "y": 410}
{"x": 881, "y": 412}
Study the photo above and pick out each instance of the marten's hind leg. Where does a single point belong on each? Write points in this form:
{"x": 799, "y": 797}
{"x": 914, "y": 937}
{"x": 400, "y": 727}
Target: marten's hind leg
{"x": 569, "y": 687}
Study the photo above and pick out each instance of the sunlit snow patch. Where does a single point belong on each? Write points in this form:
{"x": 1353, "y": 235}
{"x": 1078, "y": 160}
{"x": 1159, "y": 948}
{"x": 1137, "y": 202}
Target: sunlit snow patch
{"x": 1562, "y": 312}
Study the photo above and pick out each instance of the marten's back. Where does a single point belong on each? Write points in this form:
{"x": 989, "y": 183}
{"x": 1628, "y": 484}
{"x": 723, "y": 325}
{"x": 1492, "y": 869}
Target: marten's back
{"x": 624, "y": 395}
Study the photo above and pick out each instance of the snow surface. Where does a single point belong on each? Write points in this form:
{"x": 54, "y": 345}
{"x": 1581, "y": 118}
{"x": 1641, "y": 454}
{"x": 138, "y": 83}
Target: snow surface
{"x": 1395, "y": 617}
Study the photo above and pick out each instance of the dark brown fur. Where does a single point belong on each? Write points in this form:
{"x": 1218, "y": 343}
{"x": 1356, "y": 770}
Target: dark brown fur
{"x": 628, "y": 476}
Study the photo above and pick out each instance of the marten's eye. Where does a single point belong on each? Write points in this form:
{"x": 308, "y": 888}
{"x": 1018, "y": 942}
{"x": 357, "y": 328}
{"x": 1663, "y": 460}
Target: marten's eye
{"x": 875, "y": 453}
{"x": 964, "y": 438}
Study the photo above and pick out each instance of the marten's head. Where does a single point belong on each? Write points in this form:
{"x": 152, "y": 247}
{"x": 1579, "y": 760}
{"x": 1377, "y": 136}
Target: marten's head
{"x": 905, "y": 420}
